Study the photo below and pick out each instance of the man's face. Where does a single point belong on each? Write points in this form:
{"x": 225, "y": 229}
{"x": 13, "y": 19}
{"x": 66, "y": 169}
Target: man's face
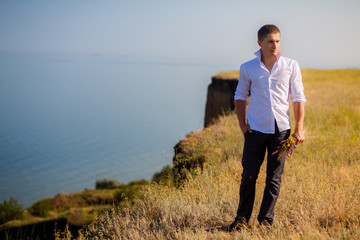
{"x": 270, "y": 46}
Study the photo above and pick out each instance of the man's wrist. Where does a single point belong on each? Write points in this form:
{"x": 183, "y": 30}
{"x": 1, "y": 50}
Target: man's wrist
{"x": 299, "y": 132}
{"x": 299, "y": 128}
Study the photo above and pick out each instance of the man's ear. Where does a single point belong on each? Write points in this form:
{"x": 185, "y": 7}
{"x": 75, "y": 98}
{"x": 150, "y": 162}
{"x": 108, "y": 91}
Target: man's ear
{"x": 259, "y": 42}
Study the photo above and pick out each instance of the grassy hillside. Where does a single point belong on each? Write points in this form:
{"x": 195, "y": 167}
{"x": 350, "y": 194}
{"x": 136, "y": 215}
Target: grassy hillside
{"x": 319, "y": 199}
{"x": 72, "y": 210}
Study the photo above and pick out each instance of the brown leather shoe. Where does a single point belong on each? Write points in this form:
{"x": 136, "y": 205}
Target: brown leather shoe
{"x": 238, "y": 225}
{"x": 265, "y": 224}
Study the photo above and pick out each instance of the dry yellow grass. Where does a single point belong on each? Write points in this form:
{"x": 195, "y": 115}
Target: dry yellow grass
{"x": 319, "y": 199}
{"x": 227, "y": 75}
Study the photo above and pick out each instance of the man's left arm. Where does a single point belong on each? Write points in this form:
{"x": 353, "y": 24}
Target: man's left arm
{"x": 299, "y": 113}
{"x": 298, "y": 99}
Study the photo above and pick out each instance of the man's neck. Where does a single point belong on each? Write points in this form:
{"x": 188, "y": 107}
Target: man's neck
{"x": 269, "y": 61}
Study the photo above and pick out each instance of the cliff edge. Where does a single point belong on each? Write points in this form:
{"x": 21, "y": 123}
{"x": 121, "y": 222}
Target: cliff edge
{"x": 220, "y": 96}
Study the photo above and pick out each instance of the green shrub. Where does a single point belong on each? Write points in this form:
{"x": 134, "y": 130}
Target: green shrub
{"x": 10, "y": 210}
{"x": 138, "y": 182}
{"x": 185, "y": 161}
{"x": 107, "y": 184}
{"x": 40, "y": 208}
{"x": 164, "y": 177}
{"x": 129, "y": 191}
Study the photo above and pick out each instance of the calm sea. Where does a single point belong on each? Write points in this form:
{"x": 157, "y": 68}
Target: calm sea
{"x": 67, "y": 121}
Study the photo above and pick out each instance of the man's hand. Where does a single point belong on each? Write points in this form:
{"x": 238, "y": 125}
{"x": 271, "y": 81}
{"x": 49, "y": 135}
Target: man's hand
{"x": 299, "y": 136}
{"x": 244, "y": 128}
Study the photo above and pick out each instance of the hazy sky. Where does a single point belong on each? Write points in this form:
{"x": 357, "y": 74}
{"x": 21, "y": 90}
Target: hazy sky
{"x": 319, "y": 34}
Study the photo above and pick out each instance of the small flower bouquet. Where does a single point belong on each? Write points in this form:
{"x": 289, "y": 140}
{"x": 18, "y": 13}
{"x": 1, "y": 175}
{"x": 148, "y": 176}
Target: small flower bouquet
{"x": 287, "y": 146}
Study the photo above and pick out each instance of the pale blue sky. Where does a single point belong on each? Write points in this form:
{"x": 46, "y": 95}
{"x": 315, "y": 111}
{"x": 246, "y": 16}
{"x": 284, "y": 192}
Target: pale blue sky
{"x": 319, "y": 34}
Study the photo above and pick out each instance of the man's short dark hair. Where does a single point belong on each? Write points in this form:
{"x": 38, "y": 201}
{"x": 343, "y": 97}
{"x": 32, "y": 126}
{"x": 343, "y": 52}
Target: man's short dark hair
{"x": 267, "y": 29}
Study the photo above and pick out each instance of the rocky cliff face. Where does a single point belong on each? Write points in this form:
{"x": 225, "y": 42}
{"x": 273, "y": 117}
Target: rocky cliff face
{"x": 220, "y": 96}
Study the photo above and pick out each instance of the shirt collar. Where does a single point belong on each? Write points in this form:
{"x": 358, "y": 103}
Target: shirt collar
{"x": 258, "y": 54}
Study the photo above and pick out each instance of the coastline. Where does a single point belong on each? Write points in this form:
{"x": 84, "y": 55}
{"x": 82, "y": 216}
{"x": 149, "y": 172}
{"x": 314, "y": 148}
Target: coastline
{"x": 55, "y": 212}
{"x": 197, "y": 144}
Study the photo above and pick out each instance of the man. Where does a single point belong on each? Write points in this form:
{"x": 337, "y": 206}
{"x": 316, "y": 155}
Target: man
{"x": 270, "y": 79}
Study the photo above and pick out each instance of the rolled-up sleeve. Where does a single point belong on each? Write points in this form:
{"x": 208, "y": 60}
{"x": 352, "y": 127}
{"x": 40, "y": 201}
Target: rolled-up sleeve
{"x": 243, "y": 87}
{"x": 296, "y": 85}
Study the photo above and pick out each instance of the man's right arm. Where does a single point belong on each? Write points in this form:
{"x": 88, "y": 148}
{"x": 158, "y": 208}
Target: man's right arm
{"x": 240, "y": 107}
{"x": 241, "y": 95}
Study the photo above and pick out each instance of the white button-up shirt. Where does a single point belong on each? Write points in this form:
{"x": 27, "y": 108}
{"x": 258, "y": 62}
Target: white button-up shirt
{"x": 270, "y": 92}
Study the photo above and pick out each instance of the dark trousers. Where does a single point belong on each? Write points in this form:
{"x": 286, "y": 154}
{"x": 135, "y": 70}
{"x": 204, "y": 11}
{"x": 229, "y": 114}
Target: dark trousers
{"x": 255, "y": 147}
